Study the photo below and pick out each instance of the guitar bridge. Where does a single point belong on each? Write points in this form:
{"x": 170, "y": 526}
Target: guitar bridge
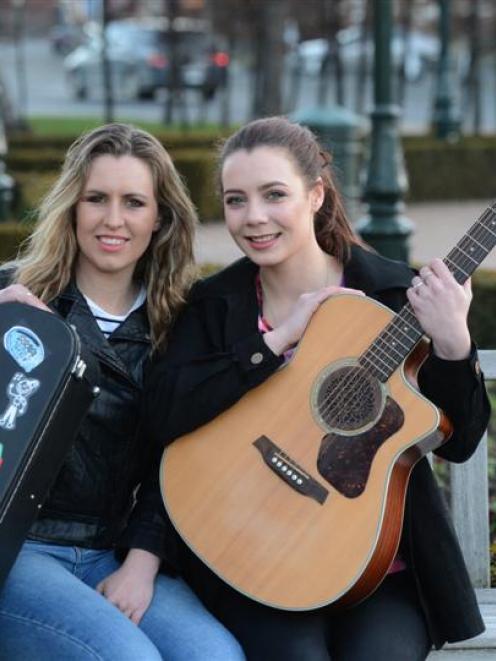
{"x": 289, "y": 471}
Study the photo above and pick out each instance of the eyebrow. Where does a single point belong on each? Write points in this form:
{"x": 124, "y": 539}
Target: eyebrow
{"x": 262, "y": 187}
{"x": 101, "y": 192}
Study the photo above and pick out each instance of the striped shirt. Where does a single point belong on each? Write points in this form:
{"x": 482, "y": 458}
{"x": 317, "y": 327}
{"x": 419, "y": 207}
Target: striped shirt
{"x": 108, "y": 322}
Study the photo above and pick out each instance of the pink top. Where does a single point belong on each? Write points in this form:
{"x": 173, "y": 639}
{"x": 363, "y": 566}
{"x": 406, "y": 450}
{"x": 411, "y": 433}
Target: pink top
{"x": 398, "y": 563}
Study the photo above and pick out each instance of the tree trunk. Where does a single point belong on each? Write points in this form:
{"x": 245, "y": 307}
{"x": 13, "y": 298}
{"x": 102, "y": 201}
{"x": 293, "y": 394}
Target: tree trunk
{"x": 472, "y": 82}
{"x": 406, "y": 20}
{"x": 269, "y": 57}
{"x": 362, "y": 73}
{"x": 332, "y": 62}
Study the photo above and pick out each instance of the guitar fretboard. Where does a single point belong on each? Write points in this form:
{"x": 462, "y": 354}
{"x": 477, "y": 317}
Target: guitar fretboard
{"x": 403, "y": 332}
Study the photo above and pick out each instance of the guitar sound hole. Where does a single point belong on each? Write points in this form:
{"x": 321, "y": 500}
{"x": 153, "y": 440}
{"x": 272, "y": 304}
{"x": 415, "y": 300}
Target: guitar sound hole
{"x": 349, "y": 398}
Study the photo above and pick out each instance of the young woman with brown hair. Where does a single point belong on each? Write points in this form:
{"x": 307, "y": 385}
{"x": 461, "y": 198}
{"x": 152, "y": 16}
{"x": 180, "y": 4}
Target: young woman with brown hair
{"x": 241, "y": 325}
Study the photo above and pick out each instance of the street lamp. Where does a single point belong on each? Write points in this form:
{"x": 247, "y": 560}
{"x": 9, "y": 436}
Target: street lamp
{"x": 6, "y": 181}
{"x": 385, "y": 228}
{"x": 18, "y": 7}
{"x": 108, "y": 83}
{"x": 445, "y": 122}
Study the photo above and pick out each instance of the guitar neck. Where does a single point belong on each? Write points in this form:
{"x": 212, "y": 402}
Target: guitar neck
{"x": 403, "y": 333}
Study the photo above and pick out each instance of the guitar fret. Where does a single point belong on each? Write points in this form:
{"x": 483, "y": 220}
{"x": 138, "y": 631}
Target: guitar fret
{"x": 378, "y": 356}
{"x": 457, "y": 272}
{"x": 460, "y": 249}
{"x": 490, "y": 231}
{"x": 397, "y": 339}
{"x": 411, "y": 324}
{"x": 390, "y": 346}
{"x": 376, "y": 367}
{"x": 472, "y": 238}
{"x": 492, "y": 236}
{"x": 404, "y": 332}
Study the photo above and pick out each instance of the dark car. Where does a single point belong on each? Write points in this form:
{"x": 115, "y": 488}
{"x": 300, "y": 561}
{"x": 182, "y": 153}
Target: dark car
{"x": 140, "y": 55}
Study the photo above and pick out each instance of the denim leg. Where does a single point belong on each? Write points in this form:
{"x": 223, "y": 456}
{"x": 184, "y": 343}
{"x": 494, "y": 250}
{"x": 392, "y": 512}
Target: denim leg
{"x": 47, "y": 613}
{"x": 183, "y": 629}
{"x": 176, "y": 621}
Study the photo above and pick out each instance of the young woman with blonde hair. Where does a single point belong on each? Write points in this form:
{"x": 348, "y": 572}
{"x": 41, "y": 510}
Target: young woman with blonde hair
{"x": 112, "y": 253}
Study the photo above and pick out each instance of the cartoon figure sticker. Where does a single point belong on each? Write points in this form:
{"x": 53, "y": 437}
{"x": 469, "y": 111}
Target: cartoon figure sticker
{"x": 25, "y": 347}
{"x": 20, "y": 388}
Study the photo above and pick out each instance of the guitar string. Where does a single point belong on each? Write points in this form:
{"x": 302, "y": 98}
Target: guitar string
{"x": 345, "y": 386}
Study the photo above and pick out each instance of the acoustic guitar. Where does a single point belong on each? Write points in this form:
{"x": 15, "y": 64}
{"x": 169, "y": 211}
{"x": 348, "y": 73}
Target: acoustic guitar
{"x": 295, "y": 495}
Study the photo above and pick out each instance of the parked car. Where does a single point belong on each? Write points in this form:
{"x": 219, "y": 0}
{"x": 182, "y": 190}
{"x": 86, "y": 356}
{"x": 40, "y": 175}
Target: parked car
{"x": 65, "y": 37}
{"x": 420, "y": 49}
{"x": 139, "y": 54}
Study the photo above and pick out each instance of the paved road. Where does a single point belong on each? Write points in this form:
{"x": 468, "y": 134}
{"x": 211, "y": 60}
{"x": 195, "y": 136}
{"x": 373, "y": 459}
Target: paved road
{"x": 438, "y": 228}
{"x": 46, "y": 92}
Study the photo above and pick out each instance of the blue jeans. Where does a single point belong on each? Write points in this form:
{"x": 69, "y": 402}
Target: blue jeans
{"x": 49, "y": 610}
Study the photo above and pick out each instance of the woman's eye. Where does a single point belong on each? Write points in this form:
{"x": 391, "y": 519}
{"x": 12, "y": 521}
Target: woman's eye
{"x": 233, "y": 201}
{"x": 134, "y": 203}
{"x": 93, "y": 198}
{"x": 275, "y": 195}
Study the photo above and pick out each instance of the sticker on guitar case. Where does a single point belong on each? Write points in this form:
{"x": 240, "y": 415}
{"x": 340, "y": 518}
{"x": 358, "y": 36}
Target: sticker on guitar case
{"x": 20, "y": 388}
{"x": 25, "y": 347}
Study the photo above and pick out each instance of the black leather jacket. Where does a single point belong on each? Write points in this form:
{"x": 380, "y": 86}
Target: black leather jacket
{"x": 90, "y": 501}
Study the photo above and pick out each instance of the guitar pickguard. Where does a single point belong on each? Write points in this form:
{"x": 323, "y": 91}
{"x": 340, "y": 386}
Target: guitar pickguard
{"x": 345, "y": 461}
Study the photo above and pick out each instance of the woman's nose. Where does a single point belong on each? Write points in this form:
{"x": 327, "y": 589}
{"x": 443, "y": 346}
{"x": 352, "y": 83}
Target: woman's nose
{"x": 256, "y": 213}
{"x": 113, "y": 215}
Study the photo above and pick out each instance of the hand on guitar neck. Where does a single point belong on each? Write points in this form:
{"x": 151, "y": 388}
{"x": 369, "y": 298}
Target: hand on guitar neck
{"x": 441, "y": 305}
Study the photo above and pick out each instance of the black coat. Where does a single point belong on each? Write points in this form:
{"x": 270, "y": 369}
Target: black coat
{"x": 208, "y": 367}
{"x": 90, "y": 500}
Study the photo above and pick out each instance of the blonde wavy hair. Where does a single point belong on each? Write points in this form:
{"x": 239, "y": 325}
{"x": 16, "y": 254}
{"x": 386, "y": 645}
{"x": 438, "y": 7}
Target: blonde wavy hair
{"x": 47, "y": 259}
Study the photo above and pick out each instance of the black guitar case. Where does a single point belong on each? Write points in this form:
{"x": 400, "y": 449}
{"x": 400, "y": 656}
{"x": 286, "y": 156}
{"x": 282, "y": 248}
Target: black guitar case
{"x": 46, "y": 388}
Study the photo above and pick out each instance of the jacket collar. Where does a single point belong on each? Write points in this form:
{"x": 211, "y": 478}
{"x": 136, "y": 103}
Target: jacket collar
{"x": 72, "y": 305}
{"x": 364, "y": 270}
{"x": 372, "y": 273}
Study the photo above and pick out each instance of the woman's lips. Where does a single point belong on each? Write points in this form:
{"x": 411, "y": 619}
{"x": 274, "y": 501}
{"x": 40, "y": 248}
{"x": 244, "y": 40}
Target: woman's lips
{"x": 112, "y": 243}
{"x": 262, "y": 241}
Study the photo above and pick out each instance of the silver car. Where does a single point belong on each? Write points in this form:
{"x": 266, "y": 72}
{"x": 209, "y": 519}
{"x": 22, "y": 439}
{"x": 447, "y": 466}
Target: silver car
{"x": 138, "y": 51}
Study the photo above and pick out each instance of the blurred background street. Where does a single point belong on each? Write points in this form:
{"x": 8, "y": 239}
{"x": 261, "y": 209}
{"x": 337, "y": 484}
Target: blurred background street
{"x": 411, "y": 130}
{"x": 50, "y": 59}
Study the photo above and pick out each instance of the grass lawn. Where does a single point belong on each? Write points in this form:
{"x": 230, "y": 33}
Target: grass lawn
{"x": 71, "y": 126}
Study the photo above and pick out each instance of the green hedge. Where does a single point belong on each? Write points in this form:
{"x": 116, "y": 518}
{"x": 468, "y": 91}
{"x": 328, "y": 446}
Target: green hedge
{"x": 437, "y": 170}
{"x": 11, "y": 236}
{"x": 29, "y": 159}
{"x": 482, "y": 317}
{"x": 194, "y": 139}
{"x": 444, "y": 171}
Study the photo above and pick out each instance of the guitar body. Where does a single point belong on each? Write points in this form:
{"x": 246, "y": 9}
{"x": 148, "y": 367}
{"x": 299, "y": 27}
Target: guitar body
{"x": 293, "y": 496}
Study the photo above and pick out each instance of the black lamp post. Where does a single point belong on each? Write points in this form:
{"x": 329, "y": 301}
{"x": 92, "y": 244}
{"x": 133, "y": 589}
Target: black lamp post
{"x": 445, "y": 122}
{"x": 108, "y": 85}
{"x": 6, "y": 181}
{"x": 385, "y": 228}
{"x": 18, "y": 7}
